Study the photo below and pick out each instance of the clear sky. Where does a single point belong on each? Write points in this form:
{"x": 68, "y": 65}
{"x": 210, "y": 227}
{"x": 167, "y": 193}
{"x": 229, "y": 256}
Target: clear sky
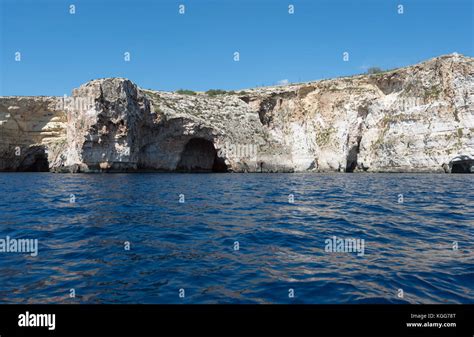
{"x": 169, "y": 51}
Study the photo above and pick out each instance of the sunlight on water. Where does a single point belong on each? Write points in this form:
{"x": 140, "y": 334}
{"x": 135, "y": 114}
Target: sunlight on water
{"x": 281, "y": 240}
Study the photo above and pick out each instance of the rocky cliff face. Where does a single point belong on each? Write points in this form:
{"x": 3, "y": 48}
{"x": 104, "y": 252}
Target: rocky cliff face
{"x": 32, "y": 133}
{"x": 416, "y": 118}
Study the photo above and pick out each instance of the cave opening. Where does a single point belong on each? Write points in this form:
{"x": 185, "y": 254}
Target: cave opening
{"x": 351, "y": 160}
{"x": 462, "y": 164}
{"x": 199, "y": 155}
{"x": 35, "y": 160}
{"x": 461, "y": 168}
{"x": 351, "y": 163}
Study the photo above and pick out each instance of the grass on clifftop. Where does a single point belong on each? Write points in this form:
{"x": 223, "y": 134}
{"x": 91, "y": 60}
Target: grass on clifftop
{"x": 186, "y": 92}
{"x": 215, "y": 92}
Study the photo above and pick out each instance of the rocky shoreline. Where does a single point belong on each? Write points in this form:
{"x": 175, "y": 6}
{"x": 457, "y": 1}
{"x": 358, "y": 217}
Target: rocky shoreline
{"x": 414, "y": 119}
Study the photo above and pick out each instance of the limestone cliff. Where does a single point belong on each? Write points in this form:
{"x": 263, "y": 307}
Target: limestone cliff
{"x": 32, "y": 133}
{"x": 414, "y": 119}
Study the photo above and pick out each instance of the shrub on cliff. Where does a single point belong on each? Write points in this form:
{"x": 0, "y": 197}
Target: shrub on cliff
{"x": 185, "y": 92}
{"x": 374, "y": 70}
{"x": 215, "y": 92}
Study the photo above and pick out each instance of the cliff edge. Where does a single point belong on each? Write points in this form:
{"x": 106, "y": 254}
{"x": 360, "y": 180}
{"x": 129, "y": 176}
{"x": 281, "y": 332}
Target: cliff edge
{"x": 413, "y": 119}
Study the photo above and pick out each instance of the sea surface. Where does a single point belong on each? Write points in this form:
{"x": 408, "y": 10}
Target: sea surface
{"x": 237, "y": 238}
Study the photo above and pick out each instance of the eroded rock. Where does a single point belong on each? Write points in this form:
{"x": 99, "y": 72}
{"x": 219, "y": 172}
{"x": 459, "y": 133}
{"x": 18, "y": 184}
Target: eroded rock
{"x": 413, "y": 119}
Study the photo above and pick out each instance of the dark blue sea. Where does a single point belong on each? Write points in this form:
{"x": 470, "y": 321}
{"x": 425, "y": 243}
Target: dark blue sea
{"x": 237, "y": 238}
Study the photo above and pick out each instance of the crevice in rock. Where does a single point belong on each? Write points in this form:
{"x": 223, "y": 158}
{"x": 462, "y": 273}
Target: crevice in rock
{"x": 363, "y": 111}
{"x": 245, "y": 99}
{"x": 268, "y": 104}
{"x": 266, "y": 107}
{"x": 351, "y": 160}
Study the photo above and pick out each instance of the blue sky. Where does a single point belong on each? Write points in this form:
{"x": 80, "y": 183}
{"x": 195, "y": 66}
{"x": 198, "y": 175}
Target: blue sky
{"x": 169, "y": 51}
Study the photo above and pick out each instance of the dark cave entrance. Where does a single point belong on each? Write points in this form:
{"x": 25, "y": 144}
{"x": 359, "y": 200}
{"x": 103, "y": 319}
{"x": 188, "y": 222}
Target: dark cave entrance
{"x": 462, "y": 167}
{"x": 199, "y": 155}
{"x": 35, "y": 160}
{"x": 351, "y": 160}
{"x": 462, "y": 164}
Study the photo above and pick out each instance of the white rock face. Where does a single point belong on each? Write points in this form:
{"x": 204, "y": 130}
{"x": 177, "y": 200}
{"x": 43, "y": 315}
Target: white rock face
{"x": 32, "y": 133}
{"x": 412, "y": 119}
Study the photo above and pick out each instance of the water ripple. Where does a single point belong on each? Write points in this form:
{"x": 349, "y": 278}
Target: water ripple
{"x": 191, "y": 245}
